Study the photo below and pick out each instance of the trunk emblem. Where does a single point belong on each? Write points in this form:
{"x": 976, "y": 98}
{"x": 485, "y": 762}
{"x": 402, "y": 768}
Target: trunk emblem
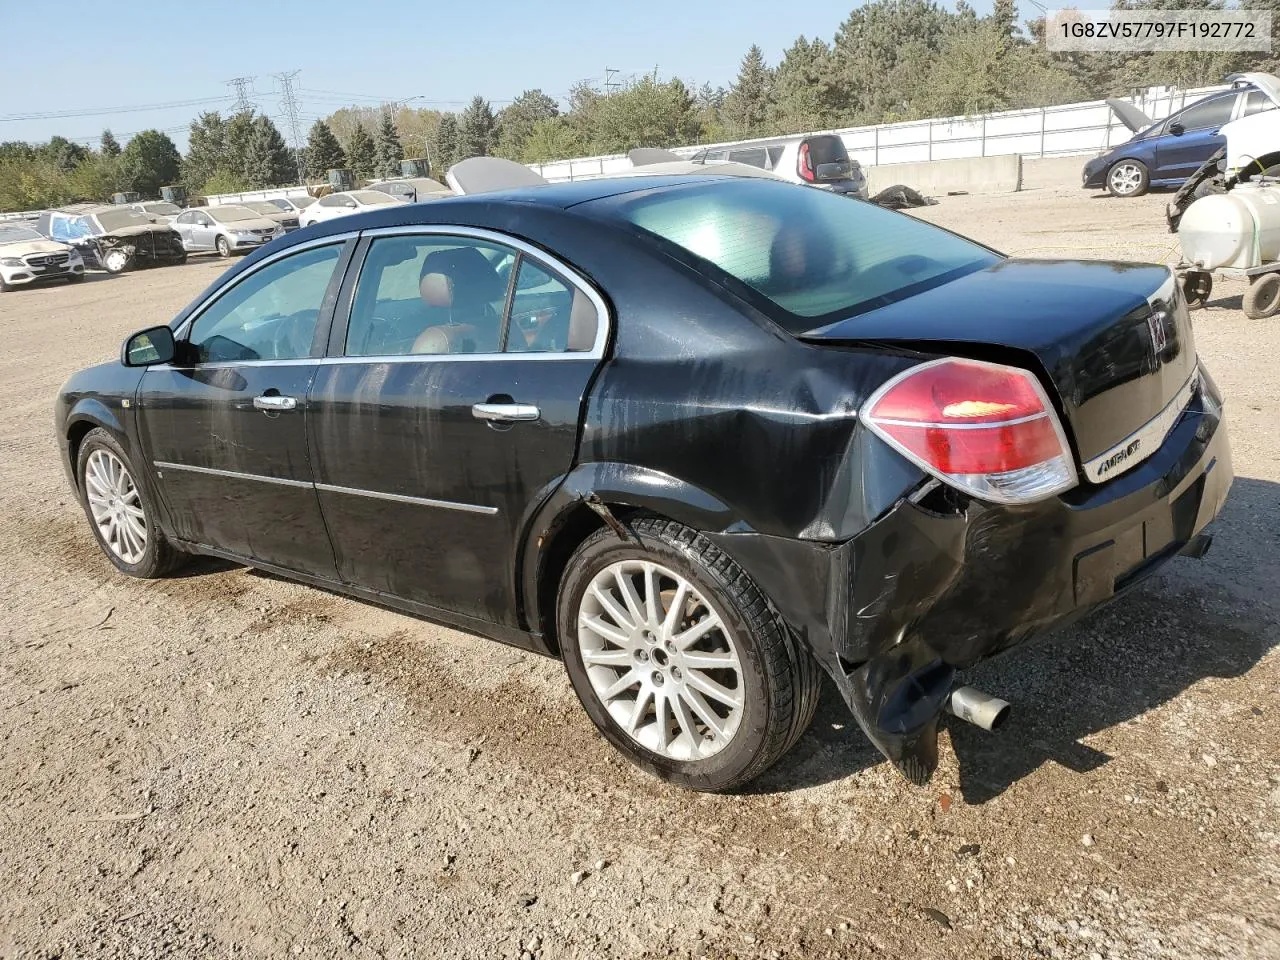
{"x": 1155, "y": 323}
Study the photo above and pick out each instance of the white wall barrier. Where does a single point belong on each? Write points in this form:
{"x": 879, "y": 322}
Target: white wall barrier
{"x": 1073, "y": 128}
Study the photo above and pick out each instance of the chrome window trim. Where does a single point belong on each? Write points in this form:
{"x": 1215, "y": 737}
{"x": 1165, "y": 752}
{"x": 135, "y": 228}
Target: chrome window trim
{"x": 162, "y": 465}
{"x": 550, "y": 261}
{"x": 231, "y": 474}
{"x": 184, "y": 328}
{"x": 404, "y": 498}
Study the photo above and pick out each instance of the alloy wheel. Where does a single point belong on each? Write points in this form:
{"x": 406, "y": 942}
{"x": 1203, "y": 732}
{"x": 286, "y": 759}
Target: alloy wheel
{"x": 1125, "y": 178}
{"x": 116, "y": 506}
{"x": 115, "y": 261}
{"x": 660, "y": 660}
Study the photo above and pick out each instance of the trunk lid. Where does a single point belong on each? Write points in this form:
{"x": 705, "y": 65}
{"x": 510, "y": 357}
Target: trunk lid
{"x": 1112, "y": 340}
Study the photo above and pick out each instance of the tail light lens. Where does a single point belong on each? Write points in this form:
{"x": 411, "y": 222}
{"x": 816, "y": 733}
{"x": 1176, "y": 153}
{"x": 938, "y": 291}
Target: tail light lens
{"x": 804, "y": 164}
{"x": 984, "y": 428}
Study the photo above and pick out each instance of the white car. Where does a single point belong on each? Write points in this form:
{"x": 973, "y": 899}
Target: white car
{"x": 820, "y": 160}
{"x": 344, "y": 204}
{"x": 26, "y": 257}
{"x": 158, "y": 210}
{"x": 291, "y": 205}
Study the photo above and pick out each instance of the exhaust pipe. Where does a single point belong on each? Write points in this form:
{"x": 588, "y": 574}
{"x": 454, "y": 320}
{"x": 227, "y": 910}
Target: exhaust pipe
{"x": 978, "y": 708}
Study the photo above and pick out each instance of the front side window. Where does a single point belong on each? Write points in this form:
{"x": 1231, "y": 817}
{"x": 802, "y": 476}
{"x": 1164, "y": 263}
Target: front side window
{"x": 806, "y": 257}
{"x": 271, "y": 314}
{"x": 1208, "y": 113}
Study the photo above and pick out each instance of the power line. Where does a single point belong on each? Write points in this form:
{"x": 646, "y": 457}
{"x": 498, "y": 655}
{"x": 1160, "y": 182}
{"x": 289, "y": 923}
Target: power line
{"x": 103, "y": 111}
{"x": 609, "y": 83}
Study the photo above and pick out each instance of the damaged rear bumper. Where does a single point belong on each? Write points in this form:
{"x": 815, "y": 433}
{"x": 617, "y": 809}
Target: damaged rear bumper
{"x": 942, "y": 580}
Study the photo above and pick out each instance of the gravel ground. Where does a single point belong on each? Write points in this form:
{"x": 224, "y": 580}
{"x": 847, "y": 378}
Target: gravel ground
{"x": 231, "y": 765}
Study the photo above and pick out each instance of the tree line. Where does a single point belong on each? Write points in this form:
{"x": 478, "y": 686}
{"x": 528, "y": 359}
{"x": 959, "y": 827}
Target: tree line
{"x": 890, "y": 60}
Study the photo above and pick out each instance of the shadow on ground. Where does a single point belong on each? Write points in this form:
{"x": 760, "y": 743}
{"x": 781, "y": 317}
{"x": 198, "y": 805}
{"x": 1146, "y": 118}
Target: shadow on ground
{"x": 1139, "y": 652}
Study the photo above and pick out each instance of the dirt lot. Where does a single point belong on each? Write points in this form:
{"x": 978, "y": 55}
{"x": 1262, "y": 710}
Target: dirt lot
{"x": 230, "y": 765}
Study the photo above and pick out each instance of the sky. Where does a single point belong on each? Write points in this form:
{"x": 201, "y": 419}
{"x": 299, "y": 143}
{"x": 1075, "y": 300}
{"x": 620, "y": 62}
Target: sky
{"x": 359, "y": 53}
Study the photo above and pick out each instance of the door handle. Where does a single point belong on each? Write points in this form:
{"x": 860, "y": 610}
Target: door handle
{"x": 274, "y": 402}
{"x": 503, "y": 412}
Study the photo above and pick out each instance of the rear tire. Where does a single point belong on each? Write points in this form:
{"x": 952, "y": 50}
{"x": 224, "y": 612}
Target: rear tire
{"x": 748, "y": 657}
{"x": 1262, "y": 299}
{"x": 1128, "y": 178}
{"x": 224, "y": 248}
{"x": 120, "y": 513}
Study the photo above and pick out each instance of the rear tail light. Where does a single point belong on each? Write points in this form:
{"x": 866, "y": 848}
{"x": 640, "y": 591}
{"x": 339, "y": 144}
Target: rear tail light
{"x": 983, "y": 428}
{"x": 804, "y": 164}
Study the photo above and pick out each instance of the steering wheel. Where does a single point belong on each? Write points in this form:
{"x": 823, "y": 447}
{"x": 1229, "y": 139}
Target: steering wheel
{"x": 539, "y": 330}
{"x": 289, "y": 330}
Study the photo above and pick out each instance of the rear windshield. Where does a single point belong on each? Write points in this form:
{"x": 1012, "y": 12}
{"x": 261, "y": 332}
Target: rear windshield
{"x": 805, "y": 256}
{"x": 122, "y": 218}
{"x": 829, "y": 149}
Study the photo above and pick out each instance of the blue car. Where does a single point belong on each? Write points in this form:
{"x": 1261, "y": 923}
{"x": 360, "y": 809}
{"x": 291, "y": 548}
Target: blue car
{"x": 1166, "y": 152}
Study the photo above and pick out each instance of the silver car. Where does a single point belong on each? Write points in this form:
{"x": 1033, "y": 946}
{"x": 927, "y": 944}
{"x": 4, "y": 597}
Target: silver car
{"x": 227, "y": 229}
{"x": 158, "y": 210}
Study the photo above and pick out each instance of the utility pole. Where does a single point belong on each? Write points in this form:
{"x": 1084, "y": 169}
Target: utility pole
{"x": 289, "y": 103}
{"x": 243, "y": 86}
{"x": 609, "y": 83}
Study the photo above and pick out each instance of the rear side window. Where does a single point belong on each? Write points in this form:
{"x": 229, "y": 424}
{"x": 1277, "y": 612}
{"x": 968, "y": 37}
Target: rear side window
{"x": 1256, "y": 102}
{"x": 753, "y": 156}
{"x": 806, "y": 257}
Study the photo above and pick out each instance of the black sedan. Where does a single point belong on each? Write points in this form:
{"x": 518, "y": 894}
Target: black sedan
{"x": 696, "y": 436}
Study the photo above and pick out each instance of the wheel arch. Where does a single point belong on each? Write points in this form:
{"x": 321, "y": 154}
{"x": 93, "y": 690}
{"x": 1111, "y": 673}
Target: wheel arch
{"x": 86, "y": 415}
{"x": 592, "y": 497}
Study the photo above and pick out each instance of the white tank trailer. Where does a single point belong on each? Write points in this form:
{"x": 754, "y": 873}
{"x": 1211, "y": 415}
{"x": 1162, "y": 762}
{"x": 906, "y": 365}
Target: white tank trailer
{"x": 1236, "y": 234}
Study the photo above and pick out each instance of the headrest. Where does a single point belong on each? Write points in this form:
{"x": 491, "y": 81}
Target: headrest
{"x": 436, "y": 290}
{"x": 472, "y": 279}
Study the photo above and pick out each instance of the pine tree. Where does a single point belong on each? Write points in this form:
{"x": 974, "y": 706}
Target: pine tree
{"x": 515, "y": 122}
{"x": 110, "y": 146}
{"x": 148, "y": 162}
{"x": 206, "y": 151}
{"x": 446, "y": 143}
{"x": 389, "y": 152}
{"x": 475, "y": 129}
{"x": 360, "y": 152}
{"x": 746, "y": 108}
{"x": 324, "y": 153}
{"x": 269, "y": 162}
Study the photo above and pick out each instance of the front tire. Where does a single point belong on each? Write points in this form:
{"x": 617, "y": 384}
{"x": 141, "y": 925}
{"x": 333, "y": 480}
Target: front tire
{"x": 1128, "y": 178}
{"x": 115, "y": 260}
{"x": 120, "y": 514}
{"x": 224, "y": 248}
{"x": 679, "y": 659}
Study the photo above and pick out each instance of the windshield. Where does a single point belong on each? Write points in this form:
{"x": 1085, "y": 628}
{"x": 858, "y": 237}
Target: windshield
{"x": 13, "y": 234}
{"x": 373, "y": 196}
{"x": 230, "y": 214}
{"x": 163, "y": 208}
{"x": 263, "y": 206}
{"x": 812, "y": 257}
{"x": 121, "y": 219}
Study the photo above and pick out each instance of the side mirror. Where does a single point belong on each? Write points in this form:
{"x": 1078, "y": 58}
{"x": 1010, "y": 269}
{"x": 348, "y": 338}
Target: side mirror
{"x": 146, "y": 348}
{"x": 1177, "y": 129}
